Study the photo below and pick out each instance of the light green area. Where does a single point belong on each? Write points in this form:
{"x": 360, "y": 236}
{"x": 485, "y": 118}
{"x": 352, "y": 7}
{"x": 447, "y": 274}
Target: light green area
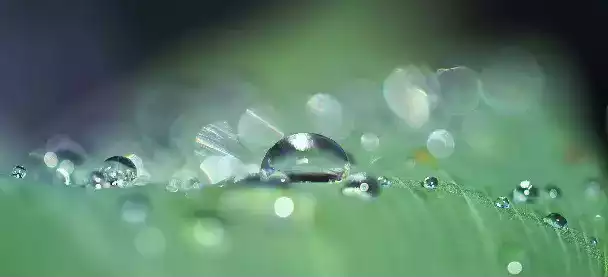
{"x": 55, "y": 231}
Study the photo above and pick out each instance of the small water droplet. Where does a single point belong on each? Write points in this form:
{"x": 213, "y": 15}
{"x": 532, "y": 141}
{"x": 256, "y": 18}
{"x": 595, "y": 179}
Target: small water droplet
{"x": 430, "y": 182}
{"x": 384, "y": 182}
{"x": 361, "y": 185}
{"x": 593, "y": 241}
{"x": 502, "y": 202}
{"x": 440, "y": 144}
{"x": 555, "y": 220}
{"x": 19, "y": 172}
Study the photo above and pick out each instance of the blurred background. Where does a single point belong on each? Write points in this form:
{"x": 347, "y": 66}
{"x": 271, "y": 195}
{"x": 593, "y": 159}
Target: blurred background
{"x": 118, "y": 77}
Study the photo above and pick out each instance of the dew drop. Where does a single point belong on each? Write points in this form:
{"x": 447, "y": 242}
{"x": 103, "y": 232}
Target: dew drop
{"x": 555, "y": 220}
{"x": 552, "y": 192}
{"x": 361, "y": 185}
{"x": 502, "y": 202}
{"x": 430, "y": 183}
{"x": 19, "y": 172}
{"x": 118, "y": 171}
{"x": 323, "y": 155}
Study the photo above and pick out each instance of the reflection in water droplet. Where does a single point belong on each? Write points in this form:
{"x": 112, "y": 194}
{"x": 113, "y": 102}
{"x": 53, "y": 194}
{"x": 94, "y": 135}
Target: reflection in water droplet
{"x": 460, "y": 89}
{"x": 323, "y": 155}
{"x": 440, "y": 144}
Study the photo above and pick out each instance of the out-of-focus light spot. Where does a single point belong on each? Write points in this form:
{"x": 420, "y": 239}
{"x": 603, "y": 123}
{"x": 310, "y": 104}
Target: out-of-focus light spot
{"x": 67, "y": 165}
{"x": 64, "y": 175}
{"x": 208, "y": 232}
{"x": 257, "y": 128}
{"x": 406, "y": 96}
{"x": 440, "y": 144}
{"x": 328, "y": 116}
{"x": 150, "y": 242}
{"x": 219, "y": 168}
{"x": 50, "y": 159}
{"x": 370, "y": 142}
{"x": 283, "y": 207}
{"x": 514, "y": 268}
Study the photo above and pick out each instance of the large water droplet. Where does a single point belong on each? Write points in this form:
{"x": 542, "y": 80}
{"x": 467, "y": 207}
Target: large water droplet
{"x": 361, "y": 185}
{"x": 440, "y": 144}
{"x": 555, "y": 220}
{"x": 119, "y": 171}
{"x": 460, "y": 89}
{"x": 306, "y": 153}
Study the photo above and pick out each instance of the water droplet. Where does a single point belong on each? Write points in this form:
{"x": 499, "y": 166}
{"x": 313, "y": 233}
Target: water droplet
{"x": 19, "y": 172}
{"x": 525, "y": 193}
{"x": 555, "y": 220}
{"x": 323, "y": 155}
{"x": 593, "y": 241}
{"x": 440, "y": 144}
{"x": 118, "y": 171}
{"x": 430, "y": 182}
{"x": 502, "y": 202}
{"x": 370, "y": 142}
{"x": 460, "y": 89}
{"x": 361, "y": 185}
{"x": 384, "y": 182}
